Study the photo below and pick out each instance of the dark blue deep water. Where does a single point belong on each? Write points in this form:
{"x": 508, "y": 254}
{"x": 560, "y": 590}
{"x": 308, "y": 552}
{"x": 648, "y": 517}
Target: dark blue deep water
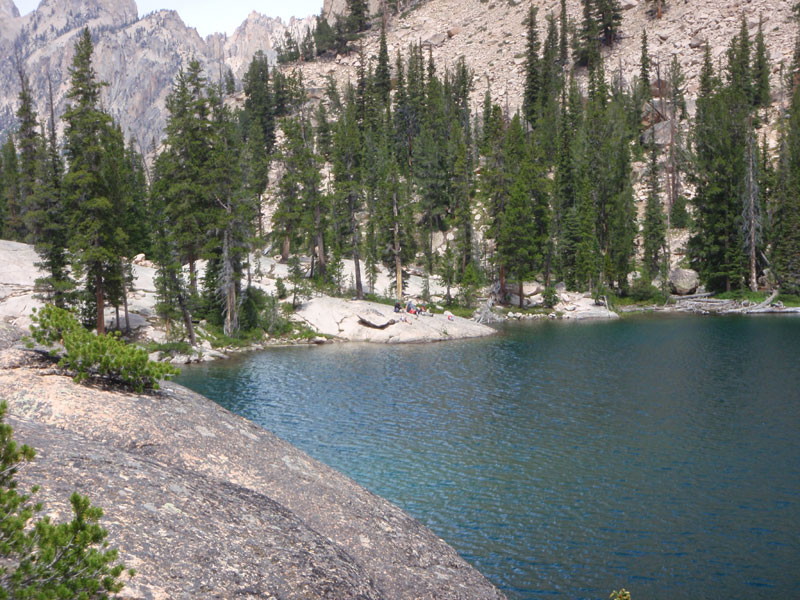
{"x": 565, "y": 460}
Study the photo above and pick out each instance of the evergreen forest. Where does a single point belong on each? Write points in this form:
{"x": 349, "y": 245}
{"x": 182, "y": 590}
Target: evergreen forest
{"x": 397, "y": 170}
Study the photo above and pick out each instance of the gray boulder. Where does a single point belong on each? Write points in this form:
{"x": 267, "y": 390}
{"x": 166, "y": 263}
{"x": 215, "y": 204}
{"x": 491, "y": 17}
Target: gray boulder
{"x": 683, "y": 281}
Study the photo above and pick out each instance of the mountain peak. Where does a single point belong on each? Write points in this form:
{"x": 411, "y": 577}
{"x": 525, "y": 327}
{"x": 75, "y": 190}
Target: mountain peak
{"x": 8, "y": 9}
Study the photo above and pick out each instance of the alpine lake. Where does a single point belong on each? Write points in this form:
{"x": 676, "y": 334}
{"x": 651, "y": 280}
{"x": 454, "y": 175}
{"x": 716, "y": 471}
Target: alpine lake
{"x": 564, "y": 460}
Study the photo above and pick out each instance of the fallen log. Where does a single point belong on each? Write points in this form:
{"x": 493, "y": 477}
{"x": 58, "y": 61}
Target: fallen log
{"x": 691, "y": 296}
{"x": 367, "y": 323}
{"x": 759, "y": 306}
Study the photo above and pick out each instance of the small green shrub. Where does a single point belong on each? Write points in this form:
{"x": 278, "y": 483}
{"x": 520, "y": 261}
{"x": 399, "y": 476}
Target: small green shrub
{"x": 89, "y": 355}
{"x": 643, "y": 291}
{"x": 42, "y": 559}
{"x": 550, "y": 297}
{"x": 280, "y": 289}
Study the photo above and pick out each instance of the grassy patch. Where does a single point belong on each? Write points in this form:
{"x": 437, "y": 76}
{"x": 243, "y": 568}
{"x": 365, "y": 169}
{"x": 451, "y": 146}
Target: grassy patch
{"x": 740, "y": 295}
{"x": 218, "y": 339}
{"x": 789, "y": 300}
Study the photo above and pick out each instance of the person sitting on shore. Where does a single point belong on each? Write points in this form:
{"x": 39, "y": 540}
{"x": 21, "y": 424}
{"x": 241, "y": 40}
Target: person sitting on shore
{"x": 411, "y": 308}
{"x": 398, "y": 307}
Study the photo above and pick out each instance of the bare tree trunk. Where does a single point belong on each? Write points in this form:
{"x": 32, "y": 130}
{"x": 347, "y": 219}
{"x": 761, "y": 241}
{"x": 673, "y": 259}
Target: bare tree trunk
{"x": 285, "y": 247}
{"x": 752, "y": 199}
{"x": 99, "y": 298}
{"x": 187, "y": 316}
{"x": 125, "y": 302}
{"x": 319, "y": 241}
{"x": 398, "y": 264}
{"x": 521, "y": 294}
{"x": 228, "y": 282}
{"x": 260, "y": 218}
{"x": 192, "y": 270}
{"x": 356, "y": 260}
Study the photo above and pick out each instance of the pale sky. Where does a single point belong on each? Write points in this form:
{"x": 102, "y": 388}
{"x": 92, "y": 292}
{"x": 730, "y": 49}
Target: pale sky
{"x": 210, "y": 16}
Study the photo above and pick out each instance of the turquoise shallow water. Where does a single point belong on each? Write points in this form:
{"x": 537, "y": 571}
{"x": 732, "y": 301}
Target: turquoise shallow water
{"x": 565, "y": 460}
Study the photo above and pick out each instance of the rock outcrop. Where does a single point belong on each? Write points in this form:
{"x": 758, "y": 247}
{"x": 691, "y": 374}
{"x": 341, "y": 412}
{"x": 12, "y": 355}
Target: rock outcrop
{"x": 204, "y": 504}
{"x": 360, "y": 321}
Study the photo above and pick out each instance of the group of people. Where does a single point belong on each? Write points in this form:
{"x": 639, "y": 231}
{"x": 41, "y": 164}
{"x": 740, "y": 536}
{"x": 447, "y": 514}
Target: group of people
{"x": 417, "y": 310}
{"x": 412, "y": 308}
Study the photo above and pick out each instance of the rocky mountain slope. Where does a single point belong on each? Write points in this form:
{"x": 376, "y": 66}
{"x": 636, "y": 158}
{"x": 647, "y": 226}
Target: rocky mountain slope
{"x": 490, "y": 35}
{"x": 138, "y": 58}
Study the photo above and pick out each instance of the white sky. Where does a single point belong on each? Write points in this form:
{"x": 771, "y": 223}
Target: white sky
{"x": 210, "y": 16}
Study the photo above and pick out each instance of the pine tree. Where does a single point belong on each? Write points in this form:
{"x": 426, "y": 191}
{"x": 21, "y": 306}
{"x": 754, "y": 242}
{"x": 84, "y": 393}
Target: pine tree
{"x": 347, "y": 165}
{"x": 461, "y": 187}
{"x": 533, "y": 70}
{"x": 609, "y": 16}
{"x": 716, "y": 247}
{"x": 587, "y": 47}
{"x": 29, "y": 144}
{"x": 357, "y": 15}
{"x": 786, "y": 248}
{"x": 519, "y": 245}
{"x": 324, "y": 36}
{"x": 12, "y": 212}
{"x": 182, "y": 175}
{"x": 643, "y": 92}
{"x": 383, "y": 81}
{"x": 47, "y": 218}
{"x": 761, "y": 69}
{"x": 563, "y": 34}
{"x": 307, "y": 52}
{"x": 233, "y": 214}
{"x": 654, "y": 228}
{"x": 258, "y": 103}
{"x": 740, "y": 78}
{"x": 96, "y": 237}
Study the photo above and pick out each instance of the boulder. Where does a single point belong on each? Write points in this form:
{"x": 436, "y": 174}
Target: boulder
{"x": 453, "y": 31}
{"x": 698, "y": 41}
{"x": 628, "y": 4}
{"x": 683, "y": 281}
{"x": 437, "y": 39}
{"x": 531, "y": 288}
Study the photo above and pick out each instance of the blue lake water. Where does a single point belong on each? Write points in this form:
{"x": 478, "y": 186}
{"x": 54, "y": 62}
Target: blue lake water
{"x": 565, "y": 460}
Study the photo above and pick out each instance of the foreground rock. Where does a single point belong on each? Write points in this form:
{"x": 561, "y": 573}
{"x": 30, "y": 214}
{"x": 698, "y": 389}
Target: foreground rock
{"x": 578, "y": 306}
{"x": 358, "y": 320}
{"x": 204, "y": 504}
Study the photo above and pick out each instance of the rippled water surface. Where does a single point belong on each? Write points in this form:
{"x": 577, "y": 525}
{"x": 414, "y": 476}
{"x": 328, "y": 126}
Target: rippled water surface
{"x": 565, "y": 460}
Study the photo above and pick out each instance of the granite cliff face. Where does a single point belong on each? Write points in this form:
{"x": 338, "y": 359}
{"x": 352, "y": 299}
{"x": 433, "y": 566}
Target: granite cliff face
{"x": 138, "y": 58}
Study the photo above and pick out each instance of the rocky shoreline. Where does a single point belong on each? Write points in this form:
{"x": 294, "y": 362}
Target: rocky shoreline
{"x": 204, "y": 504}
{"x": 333, "y": 319}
